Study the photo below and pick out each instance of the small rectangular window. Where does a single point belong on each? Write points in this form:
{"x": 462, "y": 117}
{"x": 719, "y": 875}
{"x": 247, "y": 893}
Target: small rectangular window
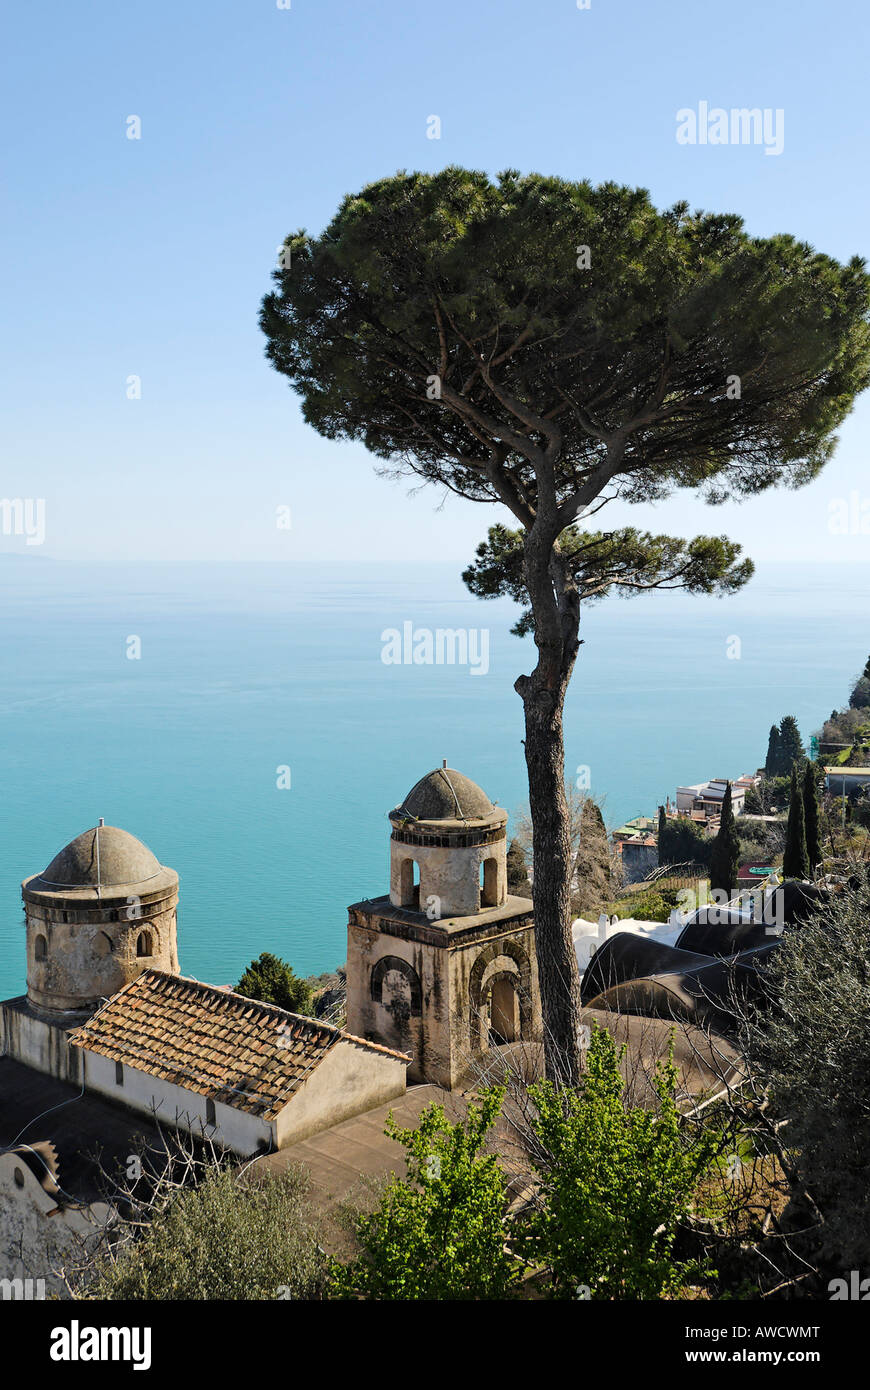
{"x": 119, "y": 1073}
{"x": 210, "y": 1116}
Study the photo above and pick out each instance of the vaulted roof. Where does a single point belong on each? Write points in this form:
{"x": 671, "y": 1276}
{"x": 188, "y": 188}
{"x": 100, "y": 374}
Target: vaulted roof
{"x": 102, "y": 861}
{"x": 445, "y": 794}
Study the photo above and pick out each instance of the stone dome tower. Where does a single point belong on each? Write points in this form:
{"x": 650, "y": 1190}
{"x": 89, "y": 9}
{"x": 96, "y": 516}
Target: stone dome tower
{"x": 102, "y": 912}
{"x": 448, "y": 850}
{"x": 445, "y": 966}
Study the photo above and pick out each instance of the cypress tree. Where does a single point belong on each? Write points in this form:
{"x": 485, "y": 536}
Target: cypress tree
{"x": 726, "y": 849}
{"x": 663, "y": 820}
{"x": 811, "y": 817}
{"x": 771, "y": 762}
{"x": 517, "y": 871}
{"x": 795, "y": 860}
{"x": 791, "y": 749}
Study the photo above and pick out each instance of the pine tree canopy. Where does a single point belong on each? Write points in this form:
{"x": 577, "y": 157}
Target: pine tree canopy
{"x": 530, "y": 333}
{"x": 598, "y": 562}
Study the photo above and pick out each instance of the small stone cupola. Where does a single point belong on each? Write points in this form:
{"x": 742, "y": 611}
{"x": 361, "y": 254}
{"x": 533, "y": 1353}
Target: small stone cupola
{"x": 102, "y": 912}
{"x": 445, "y": 967}
{"x": 448, "y": 850}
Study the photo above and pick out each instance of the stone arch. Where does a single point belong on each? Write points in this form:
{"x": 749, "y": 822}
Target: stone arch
{"x": 383, "y": 967}
{"x": 145, "y": 942}
{"x": 480, "y": 988}
{"x": 40, "y": 947}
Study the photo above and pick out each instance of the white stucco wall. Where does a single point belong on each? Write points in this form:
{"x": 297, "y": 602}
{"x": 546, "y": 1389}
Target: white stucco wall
{"x": 348, "y": 1081}
{"x": 176, "y": 1106}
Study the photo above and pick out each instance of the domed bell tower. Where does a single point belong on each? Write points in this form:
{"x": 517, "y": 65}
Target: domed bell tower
{"x": 448, "y": 856}
{"x": 102, "y": 912}
{"x": 444, "y": 967}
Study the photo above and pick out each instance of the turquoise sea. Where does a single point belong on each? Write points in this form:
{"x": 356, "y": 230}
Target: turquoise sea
{"x": 246, "y": 669}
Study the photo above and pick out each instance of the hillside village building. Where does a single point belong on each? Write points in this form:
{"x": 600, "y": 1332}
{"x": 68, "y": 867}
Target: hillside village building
{"x": 850, "y": 782}
{"x": 707, "y": 797}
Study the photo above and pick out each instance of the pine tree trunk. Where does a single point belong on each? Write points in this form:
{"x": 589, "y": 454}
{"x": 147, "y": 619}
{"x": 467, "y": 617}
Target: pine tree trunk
{"x": 556, "y": 612}
{"x": 551, "y": 887}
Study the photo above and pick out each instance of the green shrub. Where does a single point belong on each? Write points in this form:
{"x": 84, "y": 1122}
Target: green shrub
{"x": 616, "y": 1180}
{"x": 440, "y": 1233}
{"x": 646, "y": 906}
{"x": 682, "y": 841}
{"x": 225, "y": 1239}
{"x": 272, "y": 981}
{"x": 810, "y": 1049}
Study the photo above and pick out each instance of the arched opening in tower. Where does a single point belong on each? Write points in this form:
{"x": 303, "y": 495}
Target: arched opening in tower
{"x": 489, "y": 883}
{"x": 410, "y": 883}
{"x": 504, "y": 1012}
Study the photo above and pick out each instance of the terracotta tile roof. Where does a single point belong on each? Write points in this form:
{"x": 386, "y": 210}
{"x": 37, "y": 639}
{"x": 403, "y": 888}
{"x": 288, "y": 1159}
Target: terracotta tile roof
{"x": 219, "y": 1044}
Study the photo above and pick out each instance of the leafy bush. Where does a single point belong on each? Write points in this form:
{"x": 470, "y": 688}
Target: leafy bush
{"x": 225, "y": 1239}
{"x": 682, "y": 841}
{"x": 753, "y": 832}
{"x": 861, "y": 811}
{"x": 615, "y": 1182}
{"x": 671, "y": 897}
{"x": 811, "y": 1051}
{"x": 272, "y": 981}
{"x": 860, "y": 697}
{"x": 440, "y": 1233}
{"x": 649, "y": 907}
{"x": 778, "y": 789}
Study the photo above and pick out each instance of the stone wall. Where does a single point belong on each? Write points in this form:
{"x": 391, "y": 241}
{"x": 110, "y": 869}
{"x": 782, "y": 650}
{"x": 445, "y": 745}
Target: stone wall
{"x": 428, "y": 988}
{"x": 76, "y": 957}
{"x": 39, "y": 1042}
{"x": 397, "y": 992}
{"x": 37, "y": 1237}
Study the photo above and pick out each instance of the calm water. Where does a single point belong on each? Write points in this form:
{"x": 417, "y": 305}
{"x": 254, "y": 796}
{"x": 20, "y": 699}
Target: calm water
{"x": 245, "y": 669}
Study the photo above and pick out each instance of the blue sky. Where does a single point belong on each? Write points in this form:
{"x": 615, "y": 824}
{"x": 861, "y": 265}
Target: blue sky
{"x": 149, "y": 257}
